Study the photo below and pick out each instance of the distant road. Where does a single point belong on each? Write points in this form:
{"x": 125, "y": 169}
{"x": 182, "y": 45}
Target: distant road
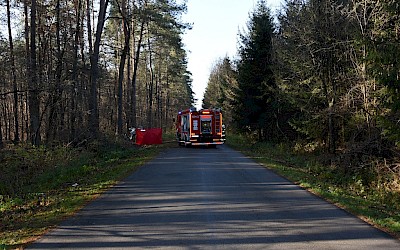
{"x": 197, "y": 198}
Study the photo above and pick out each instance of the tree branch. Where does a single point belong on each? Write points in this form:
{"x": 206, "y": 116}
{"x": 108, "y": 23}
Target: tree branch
{"x": 12, "y": 92}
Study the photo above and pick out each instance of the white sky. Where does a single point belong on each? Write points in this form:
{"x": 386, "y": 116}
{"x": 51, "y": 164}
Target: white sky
{"x": 216, "y": 24}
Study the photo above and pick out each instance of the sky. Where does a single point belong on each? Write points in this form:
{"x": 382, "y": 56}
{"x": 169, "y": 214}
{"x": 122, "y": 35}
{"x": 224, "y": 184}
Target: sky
{"x": 214, "y": 35}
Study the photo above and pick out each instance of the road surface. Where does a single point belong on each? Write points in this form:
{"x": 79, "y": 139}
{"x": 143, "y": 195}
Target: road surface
{"x": 197, "y": 198}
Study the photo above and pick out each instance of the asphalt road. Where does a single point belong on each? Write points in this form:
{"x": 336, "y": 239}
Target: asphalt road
{"x": 197, "y": 198}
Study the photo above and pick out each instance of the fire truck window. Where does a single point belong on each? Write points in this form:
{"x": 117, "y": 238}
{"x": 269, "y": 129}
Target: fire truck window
{"x": 206, "y": 126}
{"x": 184, "y": 121}
{"x": 195, "y": 125}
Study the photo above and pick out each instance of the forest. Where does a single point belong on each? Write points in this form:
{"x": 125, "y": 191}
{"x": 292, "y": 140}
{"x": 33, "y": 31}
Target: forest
{"x": 75, "y": 70}
{"x": 322, "y": 75}
{"x": 318, "y": 81}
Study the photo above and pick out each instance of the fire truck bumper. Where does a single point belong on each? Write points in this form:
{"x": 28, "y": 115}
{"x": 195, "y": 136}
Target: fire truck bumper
{"x": 205, "y": 143}
{"x": 199, "y": 143}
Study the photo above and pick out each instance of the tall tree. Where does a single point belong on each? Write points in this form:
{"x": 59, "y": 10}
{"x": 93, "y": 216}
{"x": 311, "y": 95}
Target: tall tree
{"x": 220, "y": 88}
{"x": 254, "y": 105}
{"x": 64, "y": 87}
{"x": 34, "y": 106}
{"x": 55, "y": 116}
{"x": 315, "y": 53}
{"x": 13, "y": 73}
{"x": 94, "y": 71}
{"x": 75, "y": 73}
{"x": 142, "y": 23}
{"x": 384, "y": 62}
{"x": 123, "y": 10}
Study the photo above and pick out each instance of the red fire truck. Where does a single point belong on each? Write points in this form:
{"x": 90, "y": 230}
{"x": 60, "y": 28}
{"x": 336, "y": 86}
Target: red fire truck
{"x": 203, "y": 127}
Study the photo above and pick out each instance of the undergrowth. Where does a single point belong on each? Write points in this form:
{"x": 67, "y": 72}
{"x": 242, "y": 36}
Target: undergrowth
{"x": 41, "y": 186}
{"x": 370, "y": 191}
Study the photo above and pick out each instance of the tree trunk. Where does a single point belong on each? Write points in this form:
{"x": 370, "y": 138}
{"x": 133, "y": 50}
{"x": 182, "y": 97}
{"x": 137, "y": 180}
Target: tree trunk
{"x": 1, "y": 136}
{"x": 94, "y": 72}
{"x": 326, "y": 71}
{"x": 13, "y": 75}
{"x": 25, "y": 123}
{"x": 122, "y": 66}
{"x": 151, "y": 84}
{"x": 134, "y": 76}
{"x": 33, "y": 88}
{"x": 167, "y": 101}
{"x": 72, "y": 110}
{"x": 55, "y": 110}
{"x": 89, "y": 28}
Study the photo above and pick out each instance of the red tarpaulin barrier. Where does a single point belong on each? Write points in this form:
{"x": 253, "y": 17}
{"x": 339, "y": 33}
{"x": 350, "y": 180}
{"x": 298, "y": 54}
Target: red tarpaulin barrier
{"x": 149, "y": 136}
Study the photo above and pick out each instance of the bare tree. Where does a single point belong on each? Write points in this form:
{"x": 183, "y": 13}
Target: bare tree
{"x": 33, "y": 98}
{"x": 127, "y": 36}
{"x": 94, "y": 71}
{"x": 13, "y": 74}
{"x": 135, "y": 73}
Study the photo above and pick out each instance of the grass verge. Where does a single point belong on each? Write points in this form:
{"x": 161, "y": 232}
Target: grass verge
{"x": 40, "y": 187}
{"x": 378, "y": 206}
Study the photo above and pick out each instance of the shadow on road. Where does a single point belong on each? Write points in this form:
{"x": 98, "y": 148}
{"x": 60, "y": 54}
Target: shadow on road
{"x": 207, "y": 199}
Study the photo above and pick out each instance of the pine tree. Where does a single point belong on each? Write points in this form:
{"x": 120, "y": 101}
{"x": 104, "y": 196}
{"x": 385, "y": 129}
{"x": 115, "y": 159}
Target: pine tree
{"x": 221, "y": 87}
{"x": 255, "y": 102}
{"x": 383, "y": 62}
{"x": 316, "y": 68}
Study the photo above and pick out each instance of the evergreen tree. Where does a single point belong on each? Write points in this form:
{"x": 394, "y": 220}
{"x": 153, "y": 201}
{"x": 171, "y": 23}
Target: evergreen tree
{"x": 220, "y": 88}
{"x": 316, "y": 67}
{"x": 255, "y": 101}
{"x": 384, "y": 64}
